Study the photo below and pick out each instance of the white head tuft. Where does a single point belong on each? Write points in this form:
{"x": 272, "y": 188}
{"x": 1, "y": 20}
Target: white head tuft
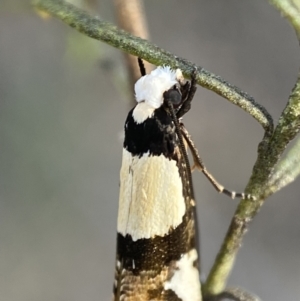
{"x": 150, "y": 87}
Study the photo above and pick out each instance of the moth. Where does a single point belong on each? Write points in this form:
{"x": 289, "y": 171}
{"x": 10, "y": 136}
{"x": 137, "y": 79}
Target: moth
{"x": 157, "y": 250}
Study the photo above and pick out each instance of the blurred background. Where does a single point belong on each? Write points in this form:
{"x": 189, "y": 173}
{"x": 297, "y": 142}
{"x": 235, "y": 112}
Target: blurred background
{"x": 63, "y": 102}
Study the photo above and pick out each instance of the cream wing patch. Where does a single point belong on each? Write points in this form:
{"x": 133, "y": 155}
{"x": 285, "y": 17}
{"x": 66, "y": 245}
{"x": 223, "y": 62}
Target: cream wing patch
{"x": 151, "y": 200}
{"x": 185, "y": 282}
{"x": 142, "y": 111}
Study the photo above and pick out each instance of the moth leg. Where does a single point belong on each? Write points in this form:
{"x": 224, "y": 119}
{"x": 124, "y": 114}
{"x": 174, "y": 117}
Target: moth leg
{"x": 235, "y": 294}
{"x": 186, "y": 106}
{"x": 198, "y": 163}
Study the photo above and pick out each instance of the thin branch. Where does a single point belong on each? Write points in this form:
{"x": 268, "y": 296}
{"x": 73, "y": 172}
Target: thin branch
{"x": 290, "y": 9}
{"x": 110, "y": 34}
{"x": 286, "y": 171}
{"x": 289, "y": 124}
{"x": 234, "y": 294}
{"x": 259, "y": 186}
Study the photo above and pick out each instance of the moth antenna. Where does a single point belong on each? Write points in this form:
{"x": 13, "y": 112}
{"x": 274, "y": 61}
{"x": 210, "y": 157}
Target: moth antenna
{"x": 183, "y": 150}
{"x": 142, "y": 66}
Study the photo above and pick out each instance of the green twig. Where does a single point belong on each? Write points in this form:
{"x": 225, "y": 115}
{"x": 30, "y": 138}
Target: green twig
{"x": 104, "y": 31}
{"x": 289, "y": 124}
{"x": 261, "y": 185}
{"x": 290, "y": 9}
{"x": 286, "y": 171}
{"x": 234, "y": 294}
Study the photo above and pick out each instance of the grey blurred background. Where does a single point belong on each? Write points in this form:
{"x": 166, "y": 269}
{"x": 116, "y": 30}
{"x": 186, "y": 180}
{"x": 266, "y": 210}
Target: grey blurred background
{"x": 63, "y": 102}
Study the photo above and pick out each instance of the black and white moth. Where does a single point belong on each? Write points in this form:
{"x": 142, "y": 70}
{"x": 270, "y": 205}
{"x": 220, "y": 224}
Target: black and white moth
{"x": 157, "y": 255}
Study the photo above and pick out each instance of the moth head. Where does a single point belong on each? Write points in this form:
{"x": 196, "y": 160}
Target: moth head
{"x": 161, "y": 84}
{"x": 174, "y": 96}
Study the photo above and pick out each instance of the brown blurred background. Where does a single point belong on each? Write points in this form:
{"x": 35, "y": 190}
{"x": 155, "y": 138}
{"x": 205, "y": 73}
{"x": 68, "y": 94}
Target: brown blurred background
{"x": 63, "y": 102}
